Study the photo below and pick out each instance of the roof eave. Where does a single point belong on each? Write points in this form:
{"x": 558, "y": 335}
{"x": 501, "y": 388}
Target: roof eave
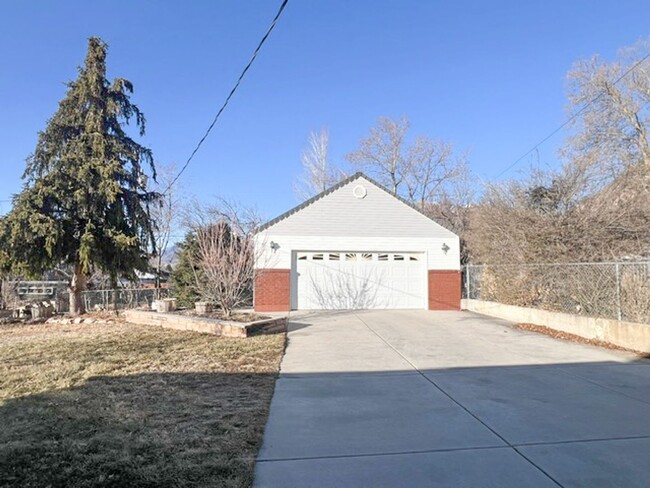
{"x": 335, "y": 187}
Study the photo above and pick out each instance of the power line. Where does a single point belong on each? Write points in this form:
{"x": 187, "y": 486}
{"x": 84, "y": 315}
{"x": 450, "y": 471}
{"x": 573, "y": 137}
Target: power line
{"x": 570, "y": 119}
{"x": 232, "y": 92}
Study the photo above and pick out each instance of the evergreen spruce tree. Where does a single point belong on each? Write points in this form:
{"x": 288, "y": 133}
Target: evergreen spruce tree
{"x": 183, "y": 276}
{"x": 84, "y": 203}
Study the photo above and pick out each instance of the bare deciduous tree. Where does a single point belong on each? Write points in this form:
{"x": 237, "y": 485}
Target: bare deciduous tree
{"x": 421, "y": 171}
{"x": 597, "y": 206}
{"x": 165, "y": 214}
{"x": 318, "y": 173}
{"x": 224, "y": 259}
{"x": 9, "y": 291}
{"x": 426, "y": 172}
{"x": 611, "y": 133}
{"x": 432, "y": 171}
{"x": 383, "y": 155}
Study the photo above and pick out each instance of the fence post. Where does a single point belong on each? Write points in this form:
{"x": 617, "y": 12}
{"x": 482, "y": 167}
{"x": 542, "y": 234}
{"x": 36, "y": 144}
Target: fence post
{"x": 618, "y": 292}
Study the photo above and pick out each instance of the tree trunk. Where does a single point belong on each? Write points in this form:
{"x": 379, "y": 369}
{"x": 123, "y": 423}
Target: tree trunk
{"x": 77, "y": 286}
{"x": 115, "y": 291}
{"x": 158, "y": 272}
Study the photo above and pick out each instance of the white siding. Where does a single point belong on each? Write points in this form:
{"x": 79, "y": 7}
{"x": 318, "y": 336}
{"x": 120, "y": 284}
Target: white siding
{"x": 341, "y": 222}
{"x": 340, "y": 213}
{"x": 281, "y": 258}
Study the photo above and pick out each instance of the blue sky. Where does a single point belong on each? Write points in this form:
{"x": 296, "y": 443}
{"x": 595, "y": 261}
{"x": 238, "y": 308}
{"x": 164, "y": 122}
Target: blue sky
{"x": 488, "y": 76}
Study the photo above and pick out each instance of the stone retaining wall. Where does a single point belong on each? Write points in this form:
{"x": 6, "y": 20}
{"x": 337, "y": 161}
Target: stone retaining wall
{"x": 207, "y": 325}
{"x": 629, "y": 335}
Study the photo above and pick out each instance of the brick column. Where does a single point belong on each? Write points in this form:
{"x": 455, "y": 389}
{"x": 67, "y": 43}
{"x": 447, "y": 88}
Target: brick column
{"x": 272, "y": 290}
{"x": 444, "y": 290}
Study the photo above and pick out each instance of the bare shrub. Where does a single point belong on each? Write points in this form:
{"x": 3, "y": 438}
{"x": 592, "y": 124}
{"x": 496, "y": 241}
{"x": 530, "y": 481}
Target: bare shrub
{"x": 510, "y": 286}
{"x": 608, "y": 290}
{"x": 224, "y": 256}
{"x": 635, "y": 295}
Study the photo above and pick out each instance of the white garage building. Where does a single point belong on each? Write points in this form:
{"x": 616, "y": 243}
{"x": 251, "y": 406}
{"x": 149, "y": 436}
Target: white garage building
{"x": 356, "y": 246}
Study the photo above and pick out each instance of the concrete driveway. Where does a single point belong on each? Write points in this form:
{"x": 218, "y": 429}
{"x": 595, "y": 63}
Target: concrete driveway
{"x": 451, "y": 399}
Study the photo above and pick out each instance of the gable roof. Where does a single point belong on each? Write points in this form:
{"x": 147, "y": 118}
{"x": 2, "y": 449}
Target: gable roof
{"x": 335, "y": 187}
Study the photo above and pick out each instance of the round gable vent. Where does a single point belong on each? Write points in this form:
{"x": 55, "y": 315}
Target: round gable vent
{"x": 360, "y": 191}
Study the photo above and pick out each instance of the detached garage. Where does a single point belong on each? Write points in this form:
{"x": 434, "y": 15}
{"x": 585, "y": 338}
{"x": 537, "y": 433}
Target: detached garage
{"x": 356, "y": 246}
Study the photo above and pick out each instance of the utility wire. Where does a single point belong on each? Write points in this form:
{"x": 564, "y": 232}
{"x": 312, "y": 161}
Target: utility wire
{"x": 232, "y": 92}
{"x": 573, "y": 116}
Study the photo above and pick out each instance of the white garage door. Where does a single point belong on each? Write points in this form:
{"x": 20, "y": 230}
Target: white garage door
{"x": 358, "y": 280}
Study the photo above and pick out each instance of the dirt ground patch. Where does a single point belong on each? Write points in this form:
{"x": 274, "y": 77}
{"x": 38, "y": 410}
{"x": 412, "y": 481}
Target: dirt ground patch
{"x": 86, "y": 405}
{"x": 219, "y": 315}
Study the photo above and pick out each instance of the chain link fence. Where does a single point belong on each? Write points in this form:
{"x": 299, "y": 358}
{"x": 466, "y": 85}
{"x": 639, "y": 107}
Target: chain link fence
{"x": 122, "y": 298}
{"x": 609, "y": 290}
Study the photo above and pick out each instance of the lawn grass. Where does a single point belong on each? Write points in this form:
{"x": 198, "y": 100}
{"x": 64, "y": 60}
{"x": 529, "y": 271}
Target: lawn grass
{"x": 126, "y": 405}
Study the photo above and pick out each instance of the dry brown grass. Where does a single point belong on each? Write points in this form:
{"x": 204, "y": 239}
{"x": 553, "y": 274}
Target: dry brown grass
{"x": 125, "y": 405}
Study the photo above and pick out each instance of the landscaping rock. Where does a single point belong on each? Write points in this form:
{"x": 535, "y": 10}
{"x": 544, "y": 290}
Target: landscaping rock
{"x": 23, "y": 312}
{"x": 164, "y": 305}
{"x": 203, "y": 307}
{"x": 42, "y": 311}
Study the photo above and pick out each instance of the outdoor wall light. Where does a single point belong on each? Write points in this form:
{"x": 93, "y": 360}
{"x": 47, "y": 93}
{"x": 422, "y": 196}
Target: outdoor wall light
{"x": 445, "y": 247}
{"x": 275, "y": 246}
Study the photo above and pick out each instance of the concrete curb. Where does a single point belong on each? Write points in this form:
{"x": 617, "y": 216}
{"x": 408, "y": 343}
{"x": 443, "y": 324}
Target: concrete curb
{"x": 630, "y": 335}
{"x": 206, "y": 325}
